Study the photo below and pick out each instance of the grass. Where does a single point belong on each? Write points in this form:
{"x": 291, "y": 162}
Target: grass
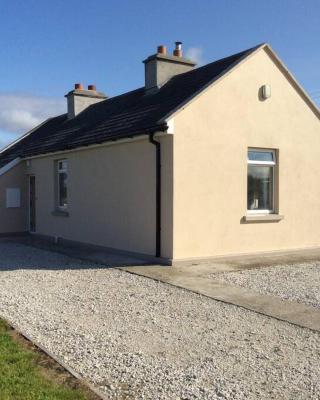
{"x": 26, "y": 373}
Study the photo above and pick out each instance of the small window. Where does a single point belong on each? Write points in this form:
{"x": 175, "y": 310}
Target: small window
{"x": 261, "y": 178}
{"x": 62, "y": 184}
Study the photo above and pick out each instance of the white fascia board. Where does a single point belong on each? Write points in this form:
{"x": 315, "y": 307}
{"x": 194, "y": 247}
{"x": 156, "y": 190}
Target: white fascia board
{"x": 10, "y": 165}
{"x": 170, "y": 123}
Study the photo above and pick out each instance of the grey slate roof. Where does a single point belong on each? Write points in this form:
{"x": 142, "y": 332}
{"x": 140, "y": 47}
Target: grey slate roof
{"x": 128, "y": 115}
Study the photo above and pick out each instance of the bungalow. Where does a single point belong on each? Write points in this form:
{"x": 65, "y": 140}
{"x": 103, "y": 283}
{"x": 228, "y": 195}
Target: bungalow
{"x": 197, "y": 163}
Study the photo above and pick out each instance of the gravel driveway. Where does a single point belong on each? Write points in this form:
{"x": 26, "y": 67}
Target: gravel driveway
{"x": 139, "y": 339}
{"x": 298, "y": 282}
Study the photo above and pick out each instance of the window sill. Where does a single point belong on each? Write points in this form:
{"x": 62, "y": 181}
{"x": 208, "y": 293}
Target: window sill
{"x": 60, "y": 213}
{"x": 263, "y": 218}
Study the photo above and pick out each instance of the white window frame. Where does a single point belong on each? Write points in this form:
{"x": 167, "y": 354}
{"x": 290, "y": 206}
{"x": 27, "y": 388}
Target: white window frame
{"x": 63, "y": 170}
{"x": 265, "y": 163}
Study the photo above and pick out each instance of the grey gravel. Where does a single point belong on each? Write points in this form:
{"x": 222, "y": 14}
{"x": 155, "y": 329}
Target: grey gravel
{"x": 296, "y": 282}
{"x": 135, "y": 338}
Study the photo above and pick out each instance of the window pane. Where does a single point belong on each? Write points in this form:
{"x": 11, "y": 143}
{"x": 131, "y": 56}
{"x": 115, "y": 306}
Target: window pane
{"x": 63, "y": 200}
{"x": 260, "y": 155}
{"x": 260, "y": 187}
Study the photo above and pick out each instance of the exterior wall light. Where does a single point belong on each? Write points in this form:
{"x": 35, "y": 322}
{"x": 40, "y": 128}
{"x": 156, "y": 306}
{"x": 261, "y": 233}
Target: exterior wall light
{"x": 266, "y": 91}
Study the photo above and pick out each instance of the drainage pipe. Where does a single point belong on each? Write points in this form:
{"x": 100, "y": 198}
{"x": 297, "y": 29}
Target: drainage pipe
{"x": 158, "y": 192}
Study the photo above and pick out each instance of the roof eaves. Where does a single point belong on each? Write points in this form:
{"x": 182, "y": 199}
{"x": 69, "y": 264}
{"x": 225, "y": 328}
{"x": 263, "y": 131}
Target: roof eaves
{"x": 147, "y": 131}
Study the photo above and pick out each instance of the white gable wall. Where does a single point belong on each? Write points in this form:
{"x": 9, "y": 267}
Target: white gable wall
{"x": 212, "y": 136}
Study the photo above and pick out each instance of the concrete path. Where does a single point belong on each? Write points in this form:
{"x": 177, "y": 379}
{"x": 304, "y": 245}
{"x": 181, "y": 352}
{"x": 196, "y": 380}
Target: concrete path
{"x": 194, "y": 279}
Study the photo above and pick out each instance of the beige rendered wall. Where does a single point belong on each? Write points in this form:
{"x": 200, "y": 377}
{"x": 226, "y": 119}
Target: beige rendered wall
{"x": 111, "y": 197}
{"x": 14, "y": 220}
{"x": 212, "y": 136}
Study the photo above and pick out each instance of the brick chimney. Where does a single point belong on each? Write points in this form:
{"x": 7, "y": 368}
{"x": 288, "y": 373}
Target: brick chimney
{"x": 160, "y": 67}
{"x": 79, "y": 99}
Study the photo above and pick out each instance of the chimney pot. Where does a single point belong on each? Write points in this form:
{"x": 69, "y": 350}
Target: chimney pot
{"x": 92, "y": 87}
{"x": 78, "y": 86}
{"x": 178, "y": 50}
{"x": 162, "y": 49}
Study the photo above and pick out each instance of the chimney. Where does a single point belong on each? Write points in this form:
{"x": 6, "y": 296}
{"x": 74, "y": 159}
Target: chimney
{"x": 79, "y": 99}
{"x": 160, "y": 67}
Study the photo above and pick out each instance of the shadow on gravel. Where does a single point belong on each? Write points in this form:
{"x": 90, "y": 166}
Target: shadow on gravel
{"x": 19, "y": 252}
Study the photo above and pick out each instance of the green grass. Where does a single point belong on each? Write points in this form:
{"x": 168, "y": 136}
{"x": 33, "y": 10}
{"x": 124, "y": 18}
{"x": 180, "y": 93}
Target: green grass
{"x": 27, "y": 374}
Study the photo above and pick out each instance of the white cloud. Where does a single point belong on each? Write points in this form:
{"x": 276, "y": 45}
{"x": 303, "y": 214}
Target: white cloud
{"x": 17, "y": 120}
{"x": 21, "y": 112}
{"x": 195, "y": 54}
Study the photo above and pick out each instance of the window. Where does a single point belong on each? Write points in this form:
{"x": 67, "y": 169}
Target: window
{"x": 62, "y": 184}
{"x": 261, "y": 181}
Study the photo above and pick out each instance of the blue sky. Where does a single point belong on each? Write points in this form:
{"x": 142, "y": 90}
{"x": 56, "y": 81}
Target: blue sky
{"x": 47, "y": 46}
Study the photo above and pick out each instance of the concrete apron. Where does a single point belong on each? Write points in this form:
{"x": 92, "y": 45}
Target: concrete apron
{"x": 190, "y": 278}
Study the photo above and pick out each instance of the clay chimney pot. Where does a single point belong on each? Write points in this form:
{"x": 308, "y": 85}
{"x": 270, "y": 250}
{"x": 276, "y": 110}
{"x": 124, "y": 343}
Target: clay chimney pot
{"x": 162, "y": 49}
{"x": 78, "y": 86}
